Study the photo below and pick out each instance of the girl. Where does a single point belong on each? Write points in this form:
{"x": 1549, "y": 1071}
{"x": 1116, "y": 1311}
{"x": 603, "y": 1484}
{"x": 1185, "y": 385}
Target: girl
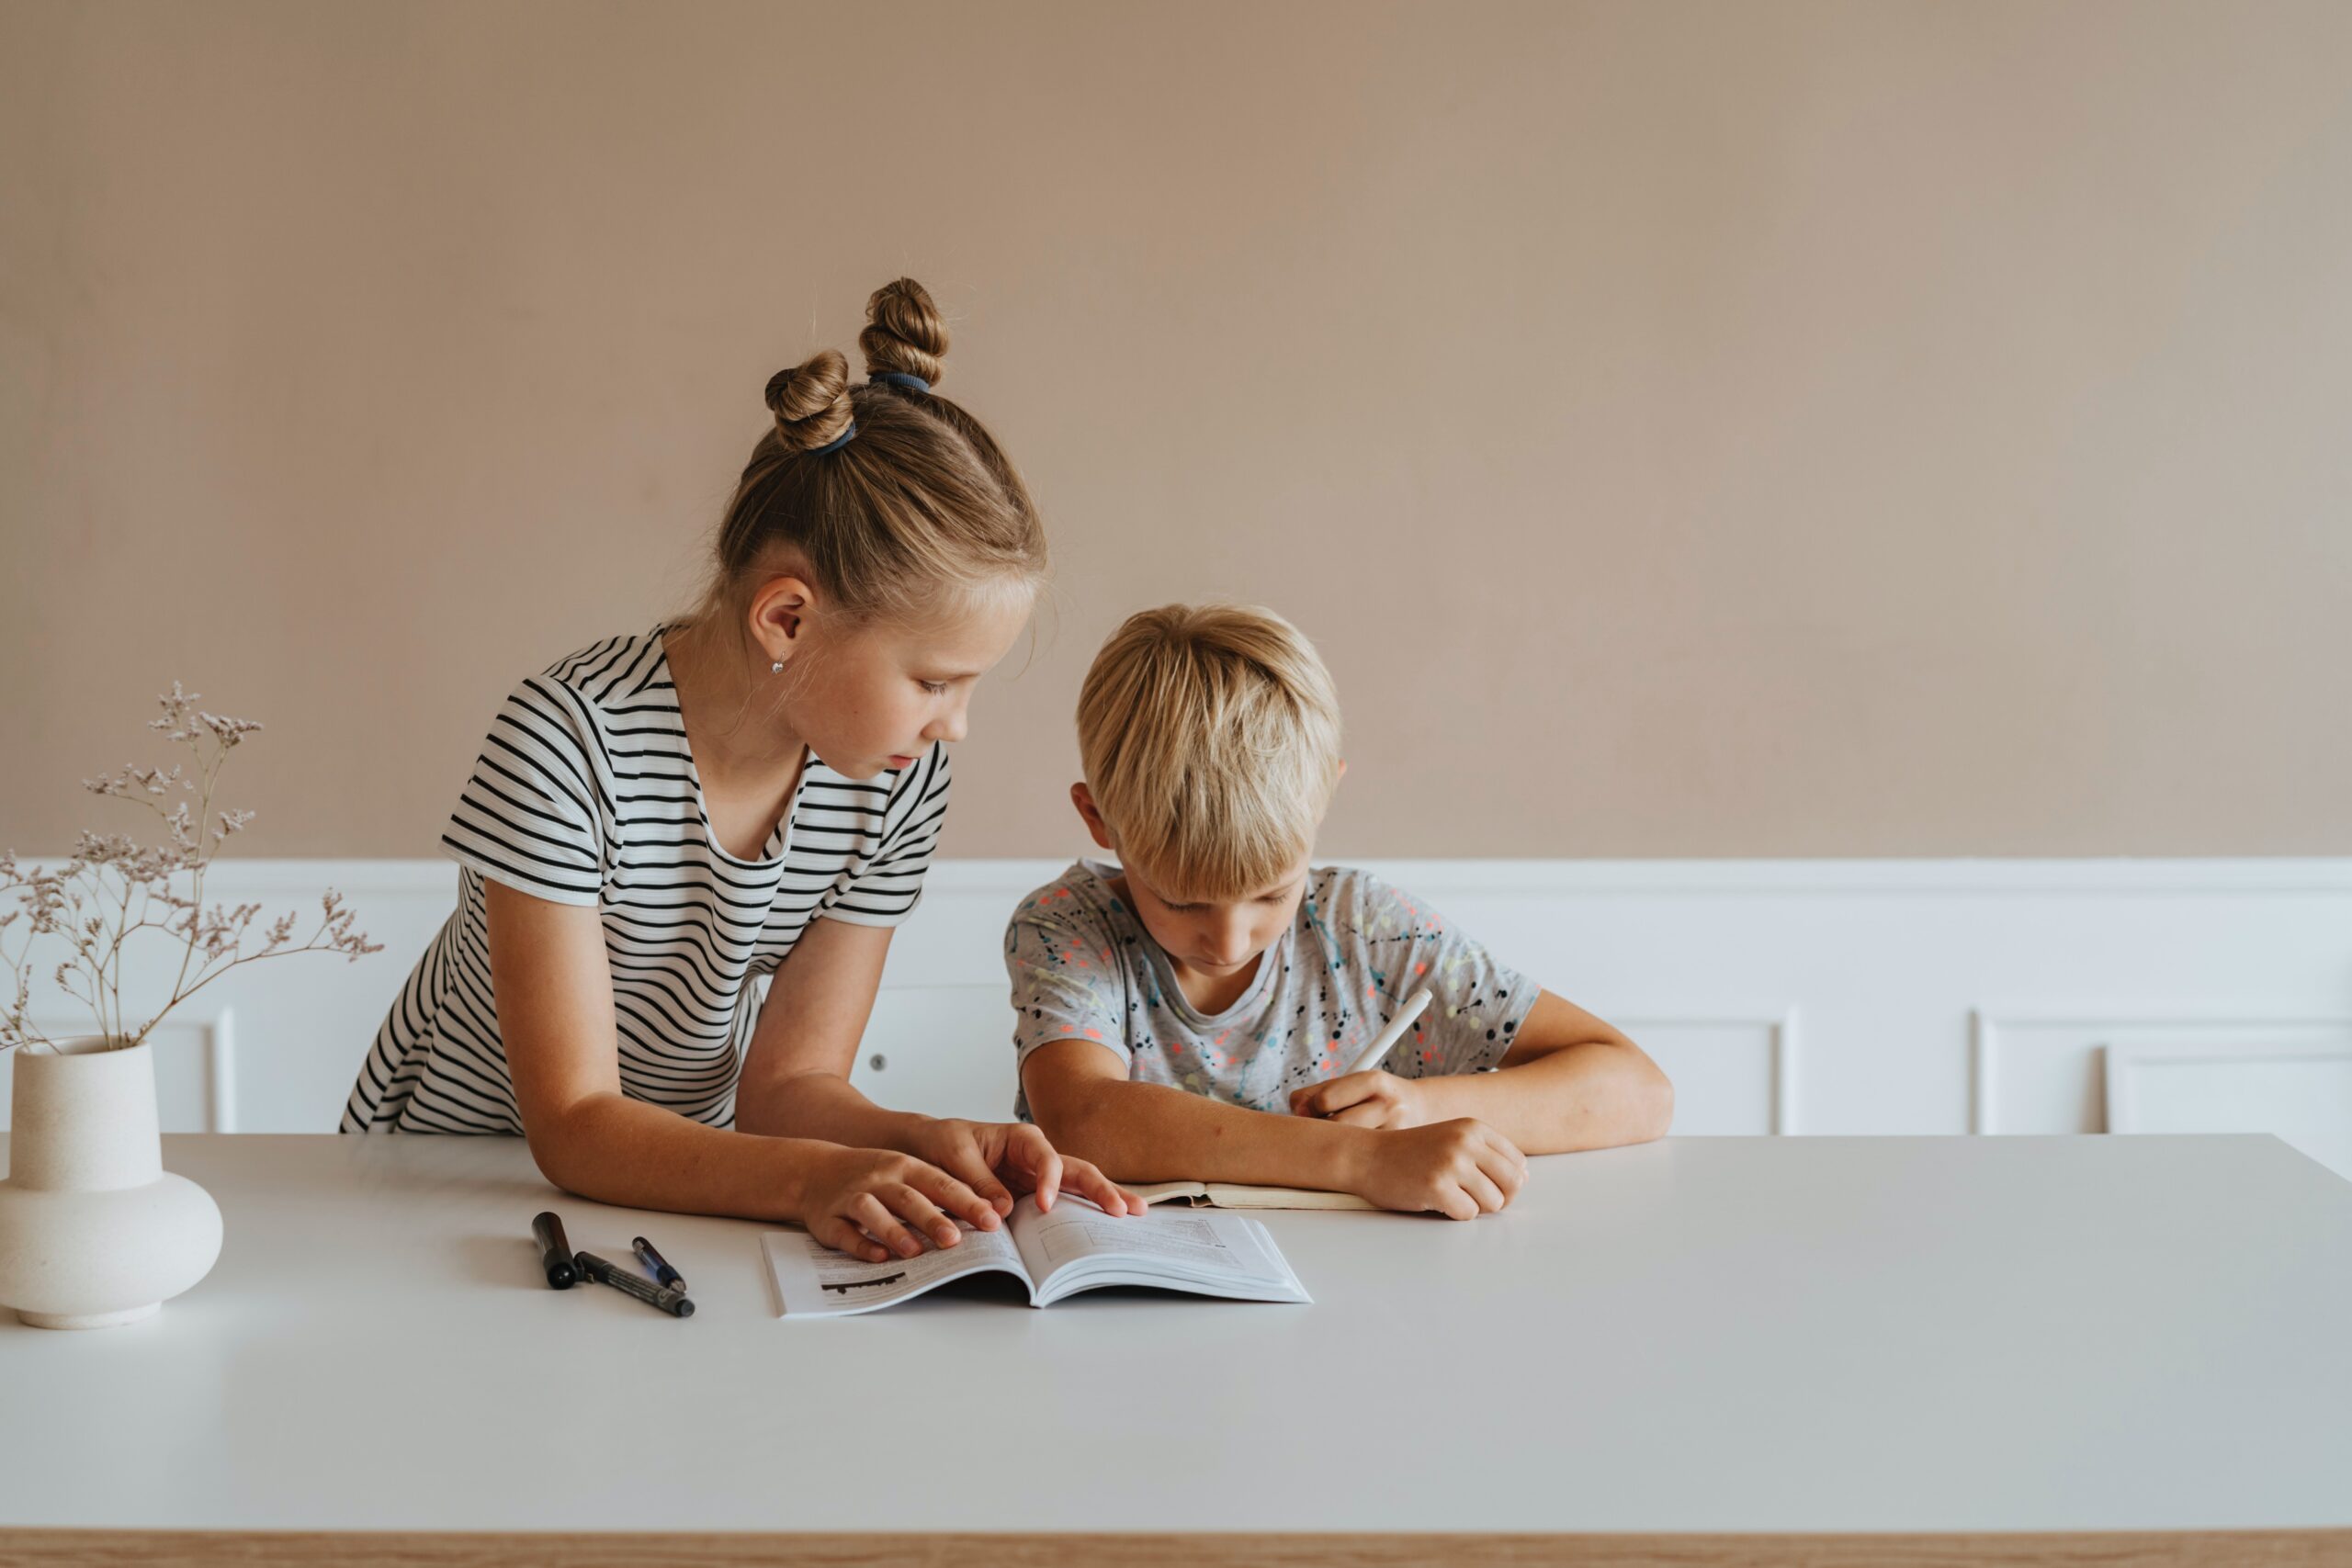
{"x": 659, "y": 820}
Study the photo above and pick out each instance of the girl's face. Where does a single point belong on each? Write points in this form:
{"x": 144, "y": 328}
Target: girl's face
{"x": 871, "y": 698}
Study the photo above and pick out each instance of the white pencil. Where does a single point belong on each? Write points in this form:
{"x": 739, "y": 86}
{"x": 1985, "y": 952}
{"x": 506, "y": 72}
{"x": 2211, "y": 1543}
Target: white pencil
{"x": 1371, "y": 1055}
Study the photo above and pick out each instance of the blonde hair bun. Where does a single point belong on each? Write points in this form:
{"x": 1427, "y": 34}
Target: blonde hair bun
{"x": 904, "y": 334}
{"x": 810, "y": 400}
{"x": 899, "y": 506}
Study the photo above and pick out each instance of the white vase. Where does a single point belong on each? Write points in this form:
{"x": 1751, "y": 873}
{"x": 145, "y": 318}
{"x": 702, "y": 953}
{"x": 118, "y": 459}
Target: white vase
{"x": 94, "y": 1231}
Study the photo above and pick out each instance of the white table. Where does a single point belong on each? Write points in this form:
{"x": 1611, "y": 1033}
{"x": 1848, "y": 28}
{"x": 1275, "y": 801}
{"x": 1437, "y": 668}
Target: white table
{"x": 1799, "y": 1336}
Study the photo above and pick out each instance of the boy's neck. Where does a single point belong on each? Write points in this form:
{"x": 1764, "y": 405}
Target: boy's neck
{"x": 1211, "y": 994}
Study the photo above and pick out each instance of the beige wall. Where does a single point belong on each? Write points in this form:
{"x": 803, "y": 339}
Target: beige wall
{"x": 1758, "y": 429}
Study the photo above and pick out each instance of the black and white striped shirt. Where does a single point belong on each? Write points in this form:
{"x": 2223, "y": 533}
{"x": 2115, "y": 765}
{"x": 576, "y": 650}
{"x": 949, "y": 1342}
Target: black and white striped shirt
{"x": 586, "y": 794}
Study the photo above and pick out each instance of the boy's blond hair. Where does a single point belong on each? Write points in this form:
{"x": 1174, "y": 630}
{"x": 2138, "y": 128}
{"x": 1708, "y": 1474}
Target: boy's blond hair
{"x": 1210, "y": 736}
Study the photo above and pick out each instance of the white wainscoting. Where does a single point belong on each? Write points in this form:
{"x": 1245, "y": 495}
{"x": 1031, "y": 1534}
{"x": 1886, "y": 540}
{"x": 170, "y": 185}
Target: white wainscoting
{"x": 2301, "y": 1089}
{"x": 1798, "y": 996}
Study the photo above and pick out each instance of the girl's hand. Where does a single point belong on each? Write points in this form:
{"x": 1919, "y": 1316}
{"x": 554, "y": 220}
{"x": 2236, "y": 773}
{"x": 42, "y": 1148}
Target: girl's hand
{"x": 872, "y": 1202}
{"x": 1462, "y": 1168}
{"x": 1372, "y": 1099}
{"x": 998, "y": 1159}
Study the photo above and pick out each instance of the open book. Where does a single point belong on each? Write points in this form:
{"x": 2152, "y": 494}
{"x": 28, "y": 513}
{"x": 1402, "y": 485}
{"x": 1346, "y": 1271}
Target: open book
{"x": 1075, "y": 1247}
{"x": 1236, "y": 1195}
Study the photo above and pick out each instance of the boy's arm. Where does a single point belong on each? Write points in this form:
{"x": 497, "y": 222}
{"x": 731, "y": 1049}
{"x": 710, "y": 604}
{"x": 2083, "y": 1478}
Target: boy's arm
{"x": 1570, "y": 1081}
{"x": 1079, "y": 1093}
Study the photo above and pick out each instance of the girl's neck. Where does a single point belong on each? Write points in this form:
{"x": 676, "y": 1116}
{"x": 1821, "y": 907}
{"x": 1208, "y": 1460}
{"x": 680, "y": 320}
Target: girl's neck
{"x": 717, "y": 695}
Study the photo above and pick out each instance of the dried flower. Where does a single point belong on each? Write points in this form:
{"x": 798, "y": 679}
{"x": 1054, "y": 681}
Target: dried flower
{"x": 111, "y": 886}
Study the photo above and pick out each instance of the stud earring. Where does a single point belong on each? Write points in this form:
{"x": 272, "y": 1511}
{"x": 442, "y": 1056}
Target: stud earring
{"x": 778, "y": 668}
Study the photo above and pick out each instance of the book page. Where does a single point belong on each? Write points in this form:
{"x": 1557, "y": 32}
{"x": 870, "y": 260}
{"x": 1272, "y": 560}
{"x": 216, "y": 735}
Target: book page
{"x": 1199, "y": 1251}
{"x": 1079, "y": 1230}
{"x": 1235, "y": 1195}
{"x": 814, "y": 1281}
{"x": 1170, "y": 1192}
{"x": 1078, "y": 1247}
{"x": 1241, "y": 1195}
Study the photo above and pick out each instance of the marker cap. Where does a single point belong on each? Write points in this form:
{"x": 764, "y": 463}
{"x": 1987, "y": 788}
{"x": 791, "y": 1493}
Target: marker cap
{"x": 555, "y": 1252}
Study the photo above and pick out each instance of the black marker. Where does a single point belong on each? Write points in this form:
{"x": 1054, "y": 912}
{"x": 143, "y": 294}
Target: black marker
{"x": 555, "y": 1252}
{"x": 659, "y": 1265}
{"x": 675, "y": 1303}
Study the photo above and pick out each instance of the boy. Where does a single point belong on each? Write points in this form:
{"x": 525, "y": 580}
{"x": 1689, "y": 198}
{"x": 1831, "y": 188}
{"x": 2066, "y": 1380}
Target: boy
{"x": 1189, "y": 1014}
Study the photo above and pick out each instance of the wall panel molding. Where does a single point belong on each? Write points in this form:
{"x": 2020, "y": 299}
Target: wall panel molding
{"x": 1831, "y": 997}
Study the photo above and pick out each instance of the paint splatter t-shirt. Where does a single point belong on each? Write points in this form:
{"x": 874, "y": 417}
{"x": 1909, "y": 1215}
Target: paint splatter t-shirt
{"x": 1084, "y": 968}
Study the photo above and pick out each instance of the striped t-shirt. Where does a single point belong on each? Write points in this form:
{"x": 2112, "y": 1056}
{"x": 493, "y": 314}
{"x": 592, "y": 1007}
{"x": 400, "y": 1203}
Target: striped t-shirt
{"x": 586, "y": 794}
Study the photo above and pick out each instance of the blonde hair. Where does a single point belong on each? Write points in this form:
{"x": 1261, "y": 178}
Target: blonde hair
{"x": 1210, "y": 736}
{"x": 917, "y": 511}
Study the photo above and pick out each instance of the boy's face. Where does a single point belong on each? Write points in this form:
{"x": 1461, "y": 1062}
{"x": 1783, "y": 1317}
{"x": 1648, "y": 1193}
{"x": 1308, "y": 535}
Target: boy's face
{"x": 1215, "y": 939}
{"x": 1219, "y": 939}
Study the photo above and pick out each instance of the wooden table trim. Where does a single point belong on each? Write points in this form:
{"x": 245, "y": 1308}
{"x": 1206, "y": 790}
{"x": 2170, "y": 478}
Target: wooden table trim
{"x": 269, "y": 1549}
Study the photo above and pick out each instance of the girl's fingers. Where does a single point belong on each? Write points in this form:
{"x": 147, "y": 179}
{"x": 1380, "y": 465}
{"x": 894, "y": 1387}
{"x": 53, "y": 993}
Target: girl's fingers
{"x": 865, "y": 1210}
{"x": 995, "y": 1193}
{"x": 1080, "y": 1177}
{"x": 1046, "y": 1169}
{"x": 919, "y": 1212}
{"x": 970, "y": 1166}
{"x": 842, "y": 1237}
{"x": 955, "y": 1196}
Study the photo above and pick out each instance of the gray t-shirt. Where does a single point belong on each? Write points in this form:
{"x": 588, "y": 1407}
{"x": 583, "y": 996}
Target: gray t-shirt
{"x": 1084, "y": 968}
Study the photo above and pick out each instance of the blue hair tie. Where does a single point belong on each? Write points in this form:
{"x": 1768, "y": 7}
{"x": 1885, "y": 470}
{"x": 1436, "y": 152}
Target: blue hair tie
{"x": 900, "y": 378}
{"x": 836, "y": 444}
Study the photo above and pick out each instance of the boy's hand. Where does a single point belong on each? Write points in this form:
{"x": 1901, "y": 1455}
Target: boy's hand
{"x": 1372, "y": 1099}
{"x": 1461, "y": 1169}
{"x": 998, "y": 1159}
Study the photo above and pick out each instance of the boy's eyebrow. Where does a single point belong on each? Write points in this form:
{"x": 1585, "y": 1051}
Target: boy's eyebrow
{"x": 1274, "y": 892}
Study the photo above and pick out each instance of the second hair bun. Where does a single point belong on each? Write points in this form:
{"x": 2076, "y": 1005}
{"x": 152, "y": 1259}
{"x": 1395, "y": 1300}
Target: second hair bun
{"x": 810, "y": 400}
{"x": 904, "y": 333}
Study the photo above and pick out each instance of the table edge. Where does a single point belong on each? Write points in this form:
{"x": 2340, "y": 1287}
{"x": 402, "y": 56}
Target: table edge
{"x": 2091, "y": 1548}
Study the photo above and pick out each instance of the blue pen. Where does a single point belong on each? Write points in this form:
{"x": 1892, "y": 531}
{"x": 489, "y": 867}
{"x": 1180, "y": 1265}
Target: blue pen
{"x": 658, "y": 1265}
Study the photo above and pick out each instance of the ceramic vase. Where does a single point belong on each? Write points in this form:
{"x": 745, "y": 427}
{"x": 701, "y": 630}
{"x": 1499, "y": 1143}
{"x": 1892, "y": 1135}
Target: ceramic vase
{"x": 94, "y": 1231}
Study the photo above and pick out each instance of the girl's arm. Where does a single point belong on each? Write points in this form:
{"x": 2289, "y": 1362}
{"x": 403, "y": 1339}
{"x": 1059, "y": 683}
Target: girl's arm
{"x": 796, "y": 1070}
{"x": 1570, "y": 1081}
{"x": 795, "y": 1081}
{"x": 554, "y": 994}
